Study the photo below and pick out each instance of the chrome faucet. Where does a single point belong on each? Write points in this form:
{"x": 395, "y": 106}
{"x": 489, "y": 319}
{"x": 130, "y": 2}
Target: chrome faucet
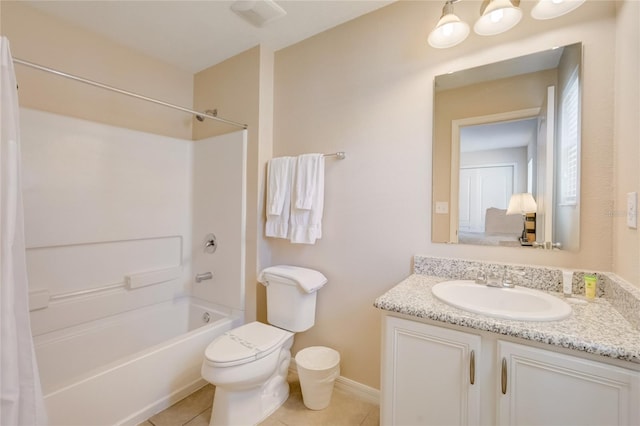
{"x": 496, "y": 279}
{"x": 481, "y": 278}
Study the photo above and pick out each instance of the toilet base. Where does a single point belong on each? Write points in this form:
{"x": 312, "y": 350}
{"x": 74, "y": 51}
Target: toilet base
{"x": 251, "y": 406}
{"x": 248, "y": 407}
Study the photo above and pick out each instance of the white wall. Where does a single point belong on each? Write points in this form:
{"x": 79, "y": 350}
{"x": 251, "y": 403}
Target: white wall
{"x": 219, "y": 207}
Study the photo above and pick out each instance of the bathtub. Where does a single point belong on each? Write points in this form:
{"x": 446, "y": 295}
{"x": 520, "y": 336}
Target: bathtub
{"x": 125, "y": 368}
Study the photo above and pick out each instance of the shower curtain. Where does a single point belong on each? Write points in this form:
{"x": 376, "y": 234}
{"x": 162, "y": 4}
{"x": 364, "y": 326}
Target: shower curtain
{"x": 20, "y": 390}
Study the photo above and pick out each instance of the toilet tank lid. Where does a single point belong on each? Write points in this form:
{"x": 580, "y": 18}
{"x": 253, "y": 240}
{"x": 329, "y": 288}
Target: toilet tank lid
{"x": 309, "y": 280}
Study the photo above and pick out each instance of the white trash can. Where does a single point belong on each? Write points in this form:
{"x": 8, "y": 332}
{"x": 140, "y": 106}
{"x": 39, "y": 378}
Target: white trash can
{"x": 318, "y": 368}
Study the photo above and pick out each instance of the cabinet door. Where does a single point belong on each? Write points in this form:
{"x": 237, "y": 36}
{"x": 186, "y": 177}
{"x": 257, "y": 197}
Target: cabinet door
{"x": 547, "y": 388}
{"x": 427, "y": 375}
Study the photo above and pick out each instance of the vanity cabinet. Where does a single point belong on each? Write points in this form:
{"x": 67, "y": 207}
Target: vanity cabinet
{"x": 541, "y": 387}
{"x": 428, "y": 375}
{"x": 433, "y": 375}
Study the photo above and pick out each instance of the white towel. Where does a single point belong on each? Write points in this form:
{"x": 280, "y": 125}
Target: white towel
{"x": 308, "y": 279}
{"x": 280, "y": 173}
{"x": 306, "y": 220}
{"x": 306, "y": 180}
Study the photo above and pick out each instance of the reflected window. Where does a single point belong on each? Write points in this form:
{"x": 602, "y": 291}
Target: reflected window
{"x": 569, "y": 137}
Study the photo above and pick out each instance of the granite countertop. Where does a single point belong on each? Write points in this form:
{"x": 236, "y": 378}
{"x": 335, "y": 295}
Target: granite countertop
{"x": 595, "y": 327}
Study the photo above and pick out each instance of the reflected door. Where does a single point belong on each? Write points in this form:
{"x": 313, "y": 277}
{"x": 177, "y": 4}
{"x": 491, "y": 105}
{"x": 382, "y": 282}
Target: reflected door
{"x": 482, "y": 188}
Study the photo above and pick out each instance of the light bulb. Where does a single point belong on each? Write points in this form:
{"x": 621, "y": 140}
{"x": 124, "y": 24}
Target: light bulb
{"x": 496, "y": 16}
{"x": 549, "y": 9}
{"x": 447, "y": 29}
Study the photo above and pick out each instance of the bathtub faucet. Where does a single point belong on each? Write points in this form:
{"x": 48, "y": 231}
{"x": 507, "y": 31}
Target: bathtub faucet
{"x": 204, "y": 276}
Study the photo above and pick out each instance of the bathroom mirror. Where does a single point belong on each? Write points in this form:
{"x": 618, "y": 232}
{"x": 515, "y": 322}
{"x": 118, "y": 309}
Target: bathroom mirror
{"x": 506, "y": 152}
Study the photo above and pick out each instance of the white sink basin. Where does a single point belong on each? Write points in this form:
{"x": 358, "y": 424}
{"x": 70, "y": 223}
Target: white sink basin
{"x": 519, "y": 303}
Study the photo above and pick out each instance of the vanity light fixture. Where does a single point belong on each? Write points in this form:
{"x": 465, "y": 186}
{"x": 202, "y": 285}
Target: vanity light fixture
{"x": 497, "y": 16}
{"x": 449, "y": 30}
{"x": 549, "y": 9}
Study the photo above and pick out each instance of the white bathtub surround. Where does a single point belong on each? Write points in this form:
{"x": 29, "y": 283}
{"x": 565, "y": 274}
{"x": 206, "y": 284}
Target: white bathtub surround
{"x": 20, "y": 392}
{"x": 116, "y": 223}
{"x": 123, "y": 369}
{"x": 218, "y": 206}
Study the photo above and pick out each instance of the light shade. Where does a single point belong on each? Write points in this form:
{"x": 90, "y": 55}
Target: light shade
{"x": 549, "y": 9}
{"x": 449, "y": 30}
{"x": 522, "y": 203}
{"x": 497, "y": 17}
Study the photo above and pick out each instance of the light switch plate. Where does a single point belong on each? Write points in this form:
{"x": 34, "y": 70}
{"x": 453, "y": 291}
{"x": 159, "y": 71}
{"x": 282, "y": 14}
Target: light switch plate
{"x": 632, "y": 210}
{"x": 442, "y": 207}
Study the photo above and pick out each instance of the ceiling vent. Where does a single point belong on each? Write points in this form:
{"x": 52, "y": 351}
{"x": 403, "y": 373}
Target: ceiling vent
{"x": 258, "y": 12}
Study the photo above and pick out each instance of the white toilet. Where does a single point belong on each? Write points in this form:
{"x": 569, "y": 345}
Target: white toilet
{"x": 249, "y": 364}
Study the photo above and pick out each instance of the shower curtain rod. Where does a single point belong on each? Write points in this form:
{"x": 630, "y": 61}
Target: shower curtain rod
{"x": 124, "y": 92}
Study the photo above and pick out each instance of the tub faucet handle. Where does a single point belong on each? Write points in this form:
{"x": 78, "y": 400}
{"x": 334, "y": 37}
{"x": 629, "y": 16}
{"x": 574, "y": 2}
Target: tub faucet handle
{"x": 203, "y": 276}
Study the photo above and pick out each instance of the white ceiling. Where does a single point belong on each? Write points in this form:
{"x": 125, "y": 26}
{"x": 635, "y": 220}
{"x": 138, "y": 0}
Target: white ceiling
{"x": 194, "y": 35}
{"x": 508, "y": 134}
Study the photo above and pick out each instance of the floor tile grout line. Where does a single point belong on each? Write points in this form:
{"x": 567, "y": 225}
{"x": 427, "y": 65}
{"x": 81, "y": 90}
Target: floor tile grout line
{"x": 200, "y": 413}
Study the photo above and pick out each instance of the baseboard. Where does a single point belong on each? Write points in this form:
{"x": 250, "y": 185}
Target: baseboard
{"x": 356, "y": 389}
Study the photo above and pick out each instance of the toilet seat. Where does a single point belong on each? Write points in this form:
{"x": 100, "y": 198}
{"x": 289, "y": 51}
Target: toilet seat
{"x": 245, "y": 344}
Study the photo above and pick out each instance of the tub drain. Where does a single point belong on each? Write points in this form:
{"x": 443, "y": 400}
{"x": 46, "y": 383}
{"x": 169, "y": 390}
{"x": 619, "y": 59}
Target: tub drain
{"x": 206, "y": 317}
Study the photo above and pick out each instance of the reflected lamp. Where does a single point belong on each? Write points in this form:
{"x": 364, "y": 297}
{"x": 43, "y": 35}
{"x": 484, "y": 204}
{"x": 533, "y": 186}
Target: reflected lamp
{"x": 523, "y": 204}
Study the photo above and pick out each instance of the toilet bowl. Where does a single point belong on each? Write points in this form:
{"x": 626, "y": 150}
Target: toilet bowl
{"x": 249, "y": 364}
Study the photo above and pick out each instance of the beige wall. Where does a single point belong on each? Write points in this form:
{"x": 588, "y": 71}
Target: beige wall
{"x": 366, "y": 88}
{"x": 493, "y": 97}
{"x": 626, "y": 242}
{"x": 40, "y": 38}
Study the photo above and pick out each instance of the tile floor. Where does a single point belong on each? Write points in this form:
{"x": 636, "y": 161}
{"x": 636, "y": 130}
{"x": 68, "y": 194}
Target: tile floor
{"x": 344, "y": 410}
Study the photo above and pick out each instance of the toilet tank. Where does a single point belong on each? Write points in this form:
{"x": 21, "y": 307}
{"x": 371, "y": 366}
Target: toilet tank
{"x": 291, "y": 296}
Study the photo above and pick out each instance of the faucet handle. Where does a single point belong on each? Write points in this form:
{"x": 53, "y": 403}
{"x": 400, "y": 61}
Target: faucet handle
{"x": 481, "y": 277}
{"x": 507, "y": 281}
